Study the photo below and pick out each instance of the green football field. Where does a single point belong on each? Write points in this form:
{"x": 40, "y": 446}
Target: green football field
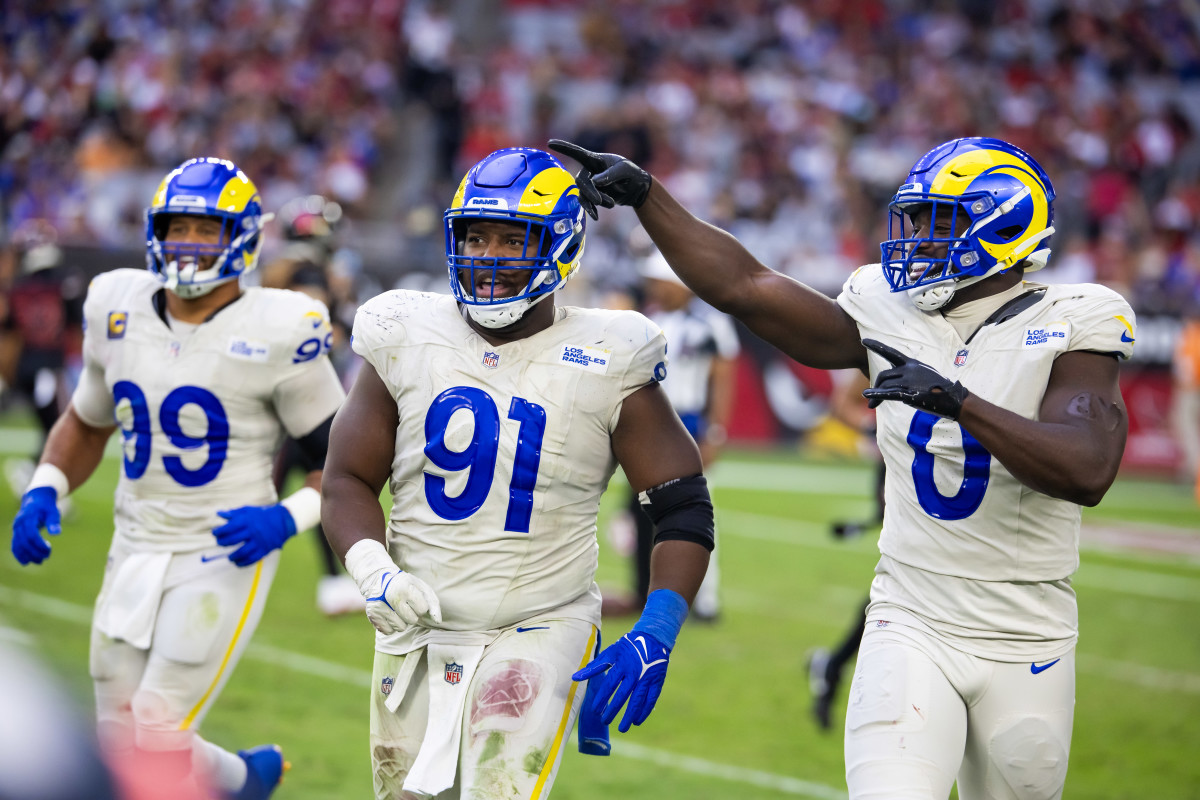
{"x": 734, "y": 718}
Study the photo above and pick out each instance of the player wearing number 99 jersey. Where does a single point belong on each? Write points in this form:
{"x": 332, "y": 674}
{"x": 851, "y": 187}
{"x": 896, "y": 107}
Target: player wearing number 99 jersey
{"x": 496, "y": 419}
{"x": 202, "y": 379}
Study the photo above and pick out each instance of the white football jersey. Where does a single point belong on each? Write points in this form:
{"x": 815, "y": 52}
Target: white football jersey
{"x": 201, "y": 413}
{"x": 952, "y": 511}
{"x": 502, "y": 452}
{"x": 695, "y": 337}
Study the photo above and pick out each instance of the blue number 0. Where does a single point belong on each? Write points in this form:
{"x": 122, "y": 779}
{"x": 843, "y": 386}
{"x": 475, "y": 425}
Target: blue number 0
{"x": 216, "y": 437}
{"x": 479, "y": 456}
{"x": 977, "y": 468}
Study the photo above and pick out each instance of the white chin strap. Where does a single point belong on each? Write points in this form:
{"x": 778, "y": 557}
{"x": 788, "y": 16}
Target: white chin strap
{"x": 504, "y": 314}
{"x": 934, "y": 297}
{"x": 181, "y": 282}
{"x": 500, "y": 316}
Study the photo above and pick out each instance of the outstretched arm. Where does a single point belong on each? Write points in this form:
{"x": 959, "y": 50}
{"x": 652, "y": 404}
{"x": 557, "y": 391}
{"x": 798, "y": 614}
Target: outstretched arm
{"x": 805, "y": 324}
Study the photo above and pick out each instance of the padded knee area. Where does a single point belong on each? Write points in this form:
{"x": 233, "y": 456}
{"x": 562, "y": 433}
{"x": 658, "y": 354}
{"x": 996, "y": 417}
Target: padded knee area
{"x": 1029, "y": 757}
{"x": 157, "y": 723}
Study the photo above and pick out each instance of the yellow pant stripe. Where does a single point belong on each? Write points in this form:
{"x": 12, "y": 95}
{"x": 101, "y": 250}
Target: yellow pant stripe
{"x": 562, "y": 725}
{"x": 237, "y": 635}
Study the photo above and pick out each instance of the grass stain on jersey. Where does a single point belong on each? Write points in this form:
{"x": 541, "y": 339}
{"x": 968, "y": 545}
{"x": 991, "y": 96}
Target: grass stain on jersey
{"x": 535, "y": 759}
{"x": 491, "y": 749}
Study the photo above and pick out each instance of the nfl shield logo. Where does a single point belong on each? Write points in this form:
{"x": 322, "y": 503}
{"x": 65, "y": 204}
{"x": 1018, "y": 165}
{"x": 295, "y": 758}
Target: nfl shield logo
{"x": 386, "y": 686}
{"x": 453, "y": 673}
{"x": 960, "y": 358}
{"x": 491, "y": 360}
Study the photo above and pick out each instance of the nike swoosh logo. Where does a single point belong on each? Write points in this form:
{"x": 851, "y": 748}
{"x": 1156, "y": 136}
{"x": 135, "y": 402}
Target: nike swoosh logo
{"x": 1125, "y": 337}
{"x": 540, "y": 194}
{"x": 1035, "y": 669}
{"x": 538, "y": 628}
{"x": 207, "y": 559}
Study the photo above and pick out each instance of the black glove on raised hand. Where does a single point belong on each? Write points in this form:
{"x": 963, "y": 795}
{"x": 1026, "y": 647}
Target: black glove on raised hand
{"x": 606, "y": 179}
{"x": 914, "y": 383}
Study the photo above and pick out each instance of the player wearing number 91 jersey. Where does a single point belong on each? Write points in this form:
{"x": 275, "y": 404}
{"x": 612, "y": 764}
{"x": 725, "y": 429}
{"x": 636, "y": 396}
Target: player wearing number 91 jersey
{"x": 201, "y": 378}
{"x": 496, "y": 419}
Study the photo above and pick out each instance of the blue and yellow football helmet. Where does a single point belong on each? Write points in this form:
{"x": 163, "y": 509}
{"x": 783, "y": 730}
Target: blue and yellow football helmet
{"x": 206, "y": 187}
{"x": 999, "y": 197}
{"x": 527, "y": 187}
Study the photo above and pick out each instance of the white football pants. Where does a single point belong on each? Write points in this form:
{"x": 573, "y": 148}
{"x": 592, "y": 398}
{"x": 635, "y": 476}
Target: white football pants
{"x": 922, "y": 714}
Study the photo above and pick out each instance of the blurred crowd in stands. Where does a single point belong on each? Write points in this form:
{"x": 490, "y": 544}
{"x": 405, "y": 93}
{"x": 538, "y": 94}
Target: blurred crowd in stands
{"x": 789, "y": 123}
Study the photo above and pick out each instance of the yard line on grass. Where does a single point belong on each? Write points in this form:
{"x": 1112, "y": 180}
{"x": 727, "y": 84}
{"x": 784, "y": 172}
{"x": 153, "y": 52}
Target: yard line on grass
{"x": 752, "y": 777}
{"x": 787, "y": 530}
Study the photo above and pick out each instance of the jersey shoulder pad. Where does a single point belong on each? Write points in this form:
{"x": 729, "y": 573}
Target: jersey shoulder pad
{"x": 1101, "y": 319}
{"x": 636, "y": 345}
{"x": 296, "y": 325}
{"x": 112, "y": 296}
{"x": 865, "y": 287}
{"x": 386, "y": 319}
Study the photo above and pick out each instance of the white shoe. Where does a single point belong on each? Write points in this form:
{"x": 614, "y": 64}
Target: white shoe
{"x": 18, "y": 472}
{"x": 338, "y": 594}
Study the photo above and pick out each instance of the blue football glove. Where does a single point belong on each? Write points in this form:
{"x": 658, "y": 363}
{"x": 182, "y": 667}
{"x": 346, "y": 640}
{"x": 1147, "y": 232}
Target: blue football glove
{"x": 258, "y": 529}
{"x": 39, "y": 509}
{"x": 636, "y": 667}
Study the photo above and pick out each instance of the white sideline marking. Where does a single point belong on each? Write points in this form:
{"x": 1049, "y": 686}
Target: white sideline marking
{"x": 361, "y": 678}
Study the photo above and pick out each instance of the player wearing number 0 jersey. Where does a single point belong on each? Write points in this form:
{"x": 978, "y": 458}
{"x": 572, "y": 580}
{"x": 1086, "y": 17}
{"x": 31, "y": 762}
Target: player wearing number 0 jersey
{"x": 202, "y": 378}
{"x": 999, "y": 415}
{"x": 496, "y": 421}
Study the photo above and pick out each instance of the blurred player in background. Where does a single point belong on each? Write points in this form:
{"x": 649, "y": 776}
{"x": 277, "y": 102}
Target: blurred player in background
{"x": 496, "y": 419}
{"x": 825, "y": 667}
{"x": 1185, "y": 394}
{"x": 310, "y": 226}
{"x": 203, "y": 378}
{"x": 42, "y": 331}
{"x": 703, "y": 348}
{"x": 999, "y": 414}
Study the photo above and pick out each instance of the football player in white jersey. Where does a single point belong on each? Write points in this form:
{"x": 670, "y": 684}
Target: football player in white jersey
{"x": 496, "y": 419}
{"x": 999, "y": 414}
{"x": 203, "y": 378}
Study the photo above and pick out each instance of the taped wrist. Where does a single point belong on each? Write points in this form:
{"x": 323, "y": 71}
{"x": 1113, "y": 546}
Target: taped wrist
{"x": 681, "y": 510}
{"x": 305, "y": 507}
{"x": 50, "y": 476}
{"x": 365, "y": 559}
{"x": 663, "y": 616}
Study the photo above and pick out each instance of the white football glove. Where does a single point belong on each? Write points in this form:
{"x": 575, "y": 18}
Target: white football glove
{"x": 395, "y": 599}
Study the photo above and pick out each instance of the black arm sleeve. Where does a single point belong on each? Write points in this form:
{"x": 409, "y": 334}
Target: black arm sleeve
{"x": 681, "y": 509}
{"x": 314, "y": 445}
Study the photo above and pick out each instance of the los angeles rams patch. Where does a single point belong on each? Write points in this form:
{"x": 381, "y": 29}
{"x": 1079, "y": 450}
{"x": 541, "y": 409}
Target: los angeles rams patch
{"x": 1053, "y": 335}
{"x": 592, "y": 359}
{"x": 117, "y": 320}
{"x": 248, "y": 350}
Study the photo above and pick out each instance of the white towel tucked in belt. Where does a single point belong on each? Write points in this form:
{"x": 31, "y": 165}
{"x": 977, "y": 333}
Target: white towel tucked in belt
{"x": 128, "y": 607}
{"x": 451, "y": 658}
